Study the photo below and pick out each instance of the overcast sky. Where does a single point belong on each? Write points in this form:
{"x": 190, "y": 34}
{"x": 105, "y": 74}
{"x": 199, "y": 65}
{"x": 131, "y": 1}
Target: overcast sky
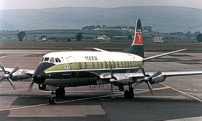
{"x": 39, "y": 4}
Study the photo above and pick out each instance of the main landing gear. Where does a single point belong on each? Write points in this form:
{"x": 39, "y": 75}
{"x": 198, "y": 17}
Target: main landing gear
{"x": 60, "y": 93}
{"x": 129, "y": 94}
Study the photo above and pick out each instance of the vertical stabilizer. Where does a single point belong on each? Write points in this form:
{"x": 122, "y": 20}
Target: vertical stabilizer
{"x": 137, "y": 45}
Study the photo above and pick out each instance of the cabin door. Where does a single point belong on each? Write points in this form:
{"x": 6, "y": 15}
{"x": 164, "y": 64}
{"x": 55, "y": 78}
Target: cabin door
{"x": 73, "y": 66}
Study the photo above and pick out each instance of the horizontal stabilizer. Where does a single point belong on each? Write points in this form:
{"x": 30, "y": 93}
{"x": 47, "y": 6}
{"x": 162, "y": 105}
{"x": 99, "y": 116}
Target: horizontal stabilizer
{"x": 100, "y": 50}
{"x": 157, "y": 56}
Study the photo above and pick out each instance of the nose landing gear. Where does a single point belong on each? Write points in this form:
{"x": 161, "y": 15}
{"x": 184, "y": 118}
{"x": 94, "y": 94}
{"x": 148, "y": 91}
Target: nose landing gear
{"x": 59, "y": 93}
{"x": 52, "y": 98}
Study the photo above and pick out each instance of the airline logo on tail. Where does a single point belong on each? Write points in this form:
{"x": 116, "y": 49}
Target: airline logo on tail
{"x": 138, "y": 40}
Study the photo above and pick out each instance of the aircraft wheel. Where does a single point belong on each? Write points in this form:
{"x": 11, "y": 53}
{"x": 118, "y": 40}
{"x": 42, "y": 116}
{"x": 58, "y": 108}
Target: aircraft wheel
{"x": 131, "y": 94}
{"x": 51, "y": 100}
{"x": 126, "y": 94}
{"x": 60, "y": 92}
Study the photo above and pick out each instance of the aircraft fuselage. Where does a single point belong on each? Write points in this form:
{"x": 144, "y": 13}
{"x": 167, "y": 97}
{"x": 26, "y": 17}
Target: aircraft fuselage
{"x": 78, "y": 68}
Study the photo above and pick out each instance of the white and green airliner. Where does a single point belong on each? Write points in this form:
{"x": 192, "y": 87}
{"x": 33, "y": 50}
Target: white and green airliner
{"x": 58, "y": 70}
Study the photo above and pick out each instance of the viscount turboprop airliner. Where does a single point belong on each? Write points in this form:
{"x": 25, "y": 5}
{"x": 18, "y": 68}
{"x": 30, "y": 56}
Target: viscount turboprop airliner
{"x": 58, "y": 70}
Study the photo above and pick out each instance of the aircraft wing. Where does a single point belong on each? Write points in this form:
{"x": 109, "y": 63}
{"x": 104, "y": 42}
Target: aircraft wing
{"x": 120, "y": 77}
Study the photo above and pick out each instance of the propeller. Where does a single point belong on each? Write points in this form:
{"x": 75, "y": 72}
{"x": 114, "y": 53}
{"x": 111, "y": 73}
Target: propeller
{"x": 112, "y": 85}
{"x": 147, "y": 79}
{"x": 30, "y": 87}
{"x": 8, "y": 76}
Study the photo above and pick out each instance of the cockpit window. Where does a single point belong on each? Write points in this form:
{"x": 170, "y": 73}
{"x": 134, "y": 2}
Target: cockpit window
{"x": 57, "y": 60}
{"x": 46, "y": 59}
{"x": 42, "y": 59}
{"x": 52, "y": 60}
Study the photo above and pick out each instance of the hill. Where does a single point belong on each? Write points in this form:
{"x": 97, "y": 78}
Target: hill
{"x": 161, "y": 18}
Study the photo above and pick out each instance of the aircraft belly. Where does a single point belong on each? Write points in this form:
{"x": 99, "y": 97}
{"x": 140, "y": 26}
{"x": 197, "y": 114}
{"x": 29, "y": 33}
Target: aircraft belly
{"x": 71, "y": 82}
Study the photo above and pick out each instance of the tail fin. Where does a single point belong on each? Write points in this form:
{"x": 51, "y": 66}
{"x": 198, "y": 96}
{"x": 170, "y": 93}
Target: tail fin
{"x": 137, "y": 45}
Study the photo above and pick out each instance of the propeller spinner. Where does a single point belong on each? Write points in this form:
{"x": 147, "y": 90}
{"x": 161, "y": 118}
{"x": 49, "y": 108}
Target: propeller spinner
{"x": 147, "y": 79}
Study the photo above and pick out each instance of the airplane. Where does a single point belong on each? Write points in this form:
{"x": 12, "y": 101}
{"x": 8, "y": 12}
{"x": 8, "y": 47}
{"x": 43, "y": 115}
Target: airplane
{"x": 58, "y": 70}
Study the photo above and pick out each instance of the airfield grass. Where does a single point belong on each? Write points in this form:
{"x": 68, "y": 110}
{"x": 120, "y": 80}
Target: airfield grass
{"x": 114, "y": 46}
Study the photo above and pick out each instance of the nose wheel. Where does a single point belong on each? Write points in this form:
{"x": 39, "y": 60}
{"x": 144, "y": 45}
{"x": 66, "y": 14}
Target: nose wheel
{"x": 52, "y": 98}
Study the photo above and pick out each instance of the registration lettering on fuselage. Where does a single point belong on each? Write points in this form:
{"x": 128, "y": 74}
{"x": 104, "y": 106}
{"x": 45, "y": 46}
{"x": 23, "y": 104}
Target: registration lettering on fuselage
{"x": 91, "y": 58}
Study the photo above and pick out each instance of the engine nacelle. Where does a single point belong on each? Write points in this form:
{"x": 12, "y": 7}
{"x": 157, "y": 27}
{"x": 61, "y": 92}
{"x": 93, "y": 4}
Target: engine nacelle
{"x": 158, "y": 79}
{"x": 47, "y": 87}
{"x": 20, "y": 75}
{"x": 122, "y": 82}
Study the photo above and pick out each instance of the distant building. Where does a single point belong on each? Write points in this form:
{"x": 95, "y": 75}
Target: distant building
{"x": 44, "y": 39}
{"x": 157, "y": 39}
{"x": 120, "y": 37}
{"x": 102, "y": 38}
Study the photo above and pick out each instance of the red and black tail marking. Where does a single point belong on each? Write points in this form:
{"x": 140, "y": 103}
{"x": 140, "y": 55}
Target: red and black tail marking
{"x": 137, "y": 45}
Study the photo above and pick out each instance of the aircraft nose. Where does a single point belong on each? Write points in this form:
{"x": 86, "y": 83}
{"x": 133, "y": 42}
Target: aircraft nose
{"x": 39, "y": 77}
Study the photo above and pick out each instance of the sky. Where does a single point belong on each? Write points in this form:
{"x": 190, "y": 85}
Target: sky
{"x": 40, "y": 4}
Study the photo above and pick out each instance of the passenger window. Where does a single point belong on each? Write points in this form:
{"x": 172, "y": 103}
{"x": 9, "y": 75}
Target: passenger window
{"x": 121, "y": 64}
{"x": 98, "y": 65}
{"x": 52, "y": 60}
{"x": 110, "y": 65}
{"x": 46, "y": 59}
{"x": 125, "y": 63}
{"x": 118, "y": 64}
{"x": 106, "y": 65}
{"x": 80, "y": 65}
{"x": 130, "y": 64}
{"x": 93, "y": 65}
{"x": 85, "y": 65}
{"x": 114, "y": 64}
{"x": 101, "y": 65}
{"x": 42, "y": 60}
{"x": 134, "y": 63}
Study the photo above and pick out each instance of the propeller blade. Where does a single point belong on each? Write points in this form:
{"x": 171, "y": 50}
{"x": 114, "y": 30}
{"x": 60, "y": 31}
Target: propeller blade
{"x": 112, "y": 88}
{"x": 2, "y": 68}
{"x": 150, "y": 87}
{"x": 112, "y": 91}
{"x": 138, "y": 83}
{"x": 156, "y": 74}
{"x": 142, "y": 69}
{"x": 11, "y": 83}
{"x": 2, "y": 80}
{"x": 30, "y": 87}
{"x": 15, "y": 69}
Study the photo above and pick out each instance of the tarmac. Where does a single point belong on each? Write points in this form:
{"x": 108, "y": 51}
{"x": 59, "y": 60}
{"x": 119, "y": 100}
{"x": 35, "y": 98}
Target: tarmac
{"x": 177, "y": 99}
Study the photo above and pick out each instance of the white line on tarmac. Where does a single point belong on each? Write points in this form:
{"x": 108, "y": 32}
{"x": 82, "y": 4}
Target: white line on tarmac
{"x": 2, "y": 57}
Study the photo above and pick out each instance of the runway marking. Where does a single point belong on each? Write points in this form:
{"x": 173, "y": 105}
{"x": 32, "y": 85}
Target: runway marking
{"x": 108, "y": 95}
{"x": 2, "y": 57}
{"x": 198, "y": 99}
{"x": 48, "y": 103}
{"x": 196, "y": 80}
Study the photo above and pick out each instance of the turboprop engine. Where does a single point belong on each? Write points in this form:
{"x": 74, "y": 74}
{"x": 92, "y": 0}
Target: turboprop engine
{"x": 158, "y": 79}
{"x": 20, "y": 75}
{"x": 121, "y": 80}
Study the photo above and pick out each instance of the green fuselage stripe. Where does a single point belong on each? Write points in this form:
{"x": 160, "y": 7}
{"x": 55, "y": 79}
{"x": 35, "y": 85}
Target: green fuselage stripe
{"x": 93, "y": 66}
